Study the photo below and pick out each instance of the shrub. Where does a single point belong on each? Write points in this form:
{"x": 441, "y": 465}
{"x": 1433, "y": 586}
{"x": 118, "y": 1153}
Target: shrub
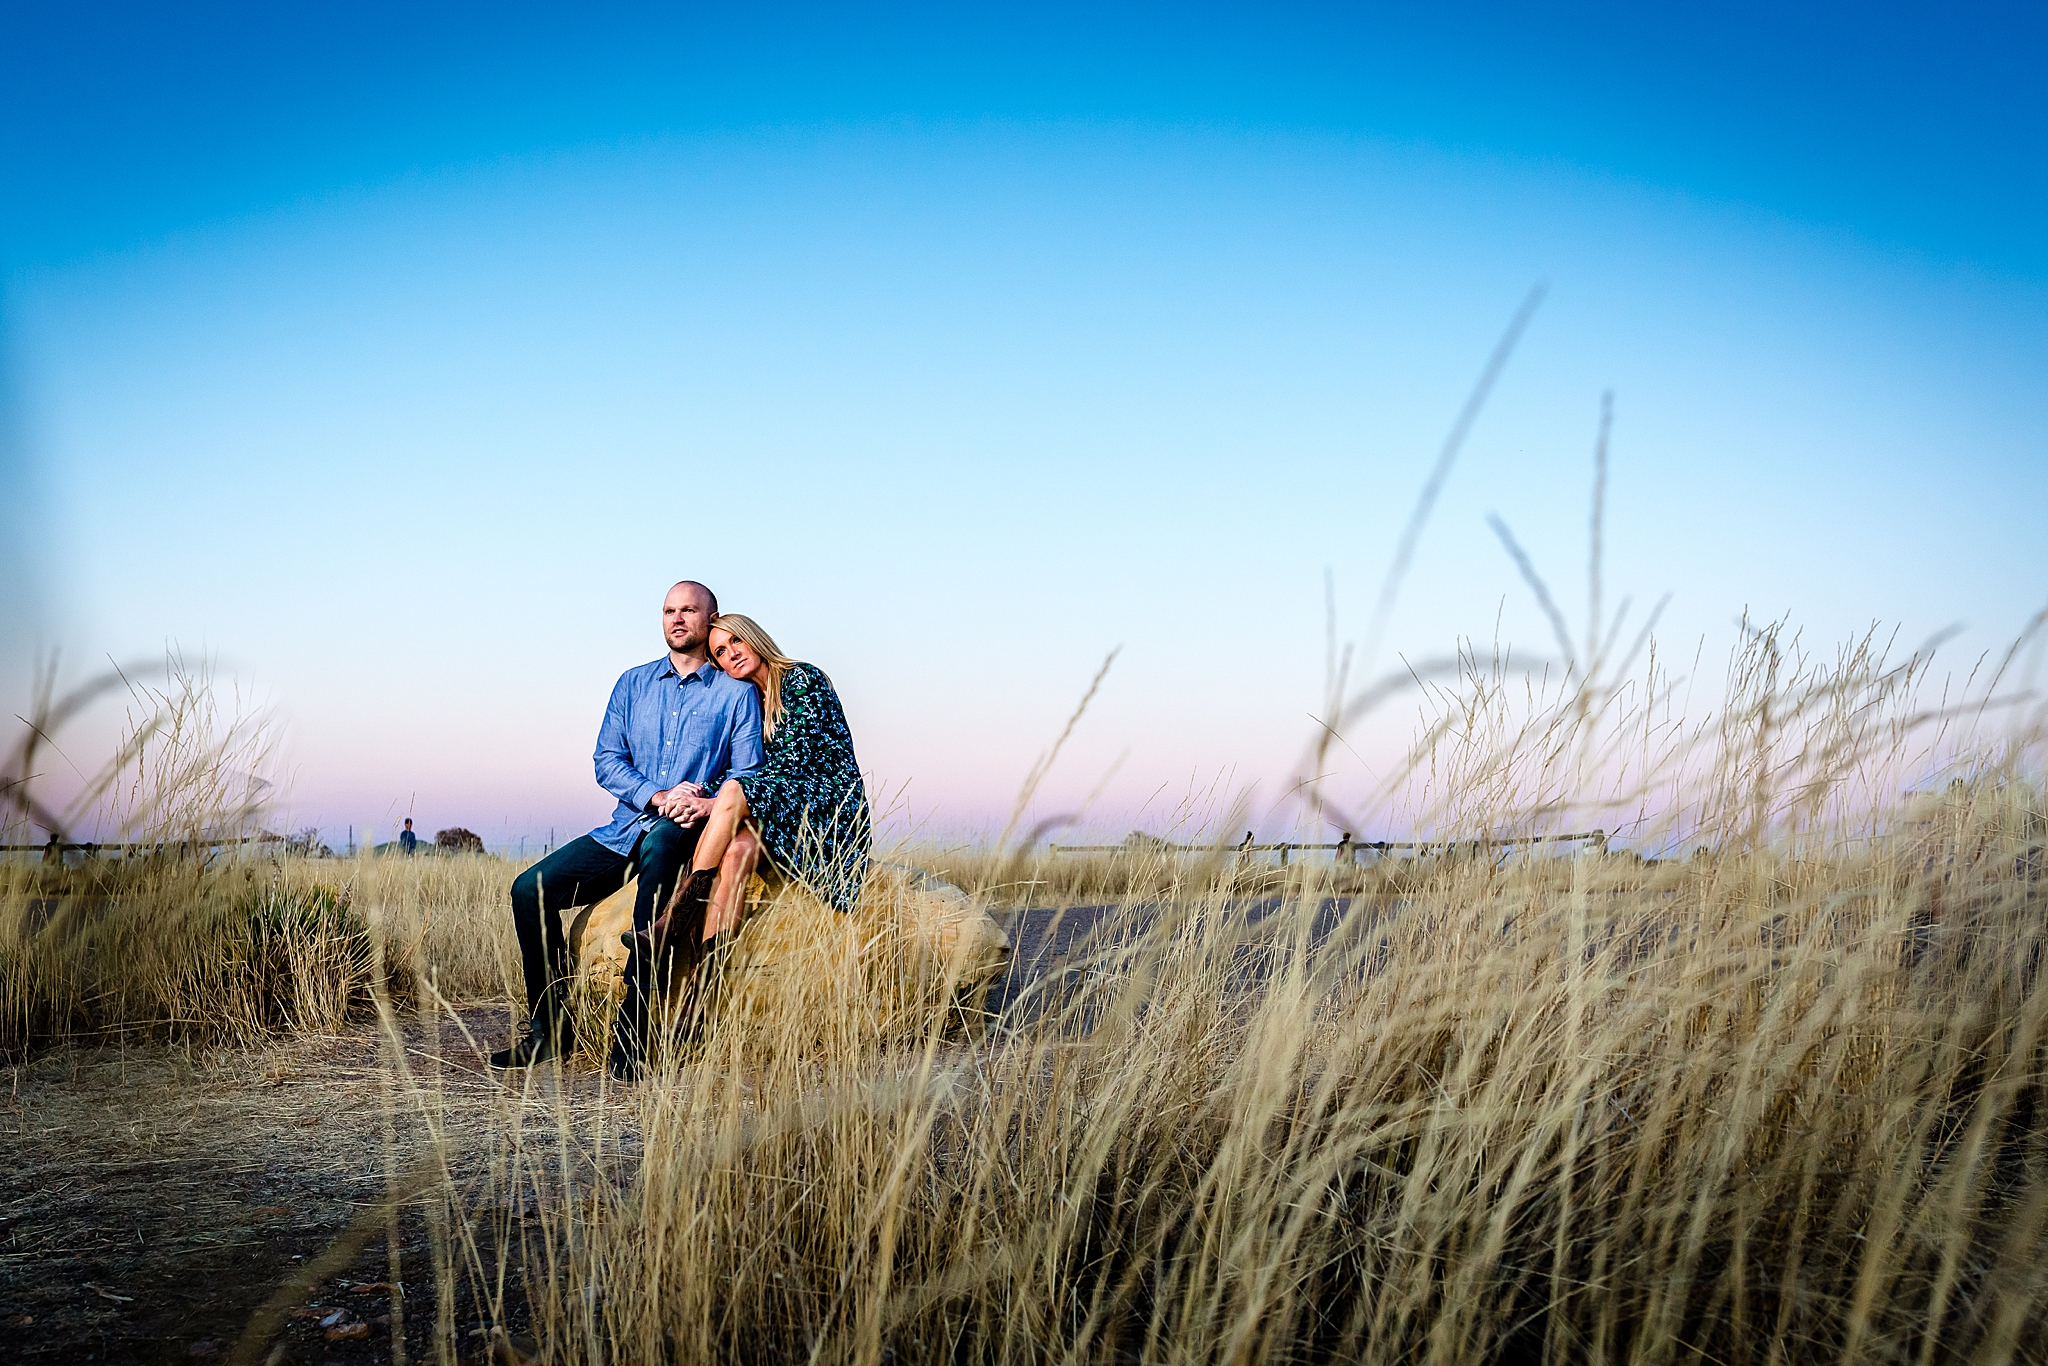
{"x": 176, "y": 950}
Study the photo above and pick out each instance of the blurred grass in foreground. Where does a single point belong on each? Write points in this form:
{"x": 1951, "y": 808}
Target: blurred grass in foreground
{"x": 1778, "y": 1099}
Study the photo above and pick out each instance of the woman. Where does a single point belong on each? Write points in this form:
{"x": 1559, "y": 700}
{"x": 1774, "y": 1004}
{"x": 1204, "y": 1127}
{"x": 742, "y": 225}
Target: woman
{"x": 805, "y": 807}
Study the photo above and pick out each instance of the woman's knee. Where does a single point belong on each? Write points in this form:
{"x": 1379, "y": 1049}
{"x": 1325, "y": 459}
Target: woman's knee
{"x": 741, "y": 853}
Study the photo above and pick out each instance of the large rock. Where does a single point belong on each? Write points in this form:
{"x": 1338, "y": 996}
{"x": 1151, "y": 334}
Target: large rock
{"x": 594, "y": 938}
{"x": 914, "y": 952}
{"x": 912, "y": 944}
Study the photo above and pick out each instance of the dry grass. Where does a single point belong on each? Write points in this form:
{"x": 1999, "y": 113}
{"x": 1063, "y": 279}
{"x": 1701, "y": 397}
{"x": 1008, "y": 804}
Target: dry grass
{"x": 1778, "y": 1100}
{"x": 442, "y": 919}
{"x": 1034, "y": 877}
{"x": 1750, "y": 1110}
{"x": 236, "y": 950}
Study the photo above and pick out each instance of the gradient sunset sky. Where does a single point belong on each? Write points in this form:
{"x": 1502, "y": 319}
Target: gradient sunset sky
{"x": 400, "y": 357}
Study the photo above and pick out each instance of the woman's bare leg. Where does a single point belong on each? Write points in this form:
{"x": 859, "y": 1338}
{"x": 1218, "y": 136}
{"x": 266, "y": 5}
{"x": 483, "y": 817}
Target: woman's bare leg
{"x": 729, "y": 898}
{"x": 723, "y": 856}
{"x": 728, "y": 812}
{"x": 720, "y": 826}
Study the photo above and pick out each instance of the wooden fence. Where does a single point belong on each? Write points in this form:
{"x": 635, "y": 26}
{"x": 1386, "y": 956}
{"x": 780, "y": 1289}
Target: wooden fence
{"x": 1345, "y": 850}
{"x": 54, "y": 849}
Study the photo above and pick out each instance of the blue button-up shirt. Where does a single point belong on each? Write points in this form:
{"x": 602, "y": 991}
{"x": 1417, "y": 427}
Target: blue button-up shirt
{"x": 662, "y": 728}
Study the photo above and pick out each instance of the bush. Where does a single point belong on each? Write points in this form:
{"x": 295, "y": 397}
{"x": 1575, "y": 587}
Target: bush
{"x": 176, "y": 950}
{"x": 458, "y": 840}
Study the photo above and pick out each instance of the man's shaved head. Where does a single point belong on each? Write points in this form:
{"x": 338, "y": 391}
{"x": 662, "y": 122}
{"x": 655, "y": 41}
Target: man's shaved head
{"x": 686, "y": 615}
{"x": 710, "y": 598}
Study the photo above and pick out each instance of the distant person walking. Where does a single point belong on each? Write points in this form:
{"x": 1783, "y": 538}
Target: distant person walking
{"x": 408, "y": 842}
{"x": 674, "y": 730}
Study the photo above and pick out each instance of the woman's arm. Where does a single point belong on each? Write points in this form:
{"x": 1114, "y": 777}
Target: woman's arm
{"x": 801, "y": 731}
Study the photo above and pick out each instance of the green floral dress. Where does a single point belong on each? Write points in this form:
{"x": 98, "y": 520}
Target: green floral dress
{"x": 807, "y": 797}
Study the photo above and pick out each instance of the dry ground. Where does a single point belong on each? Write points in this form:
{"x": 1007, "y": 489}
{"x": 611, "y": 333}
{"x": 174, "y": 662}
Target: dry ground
{"x": 157, "y": 1200}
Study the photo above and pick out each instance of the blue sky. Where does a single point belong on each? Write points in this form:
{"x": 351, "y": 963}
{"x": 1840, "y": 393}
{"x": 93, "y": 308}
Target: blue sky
{"x": 402, "y": 359}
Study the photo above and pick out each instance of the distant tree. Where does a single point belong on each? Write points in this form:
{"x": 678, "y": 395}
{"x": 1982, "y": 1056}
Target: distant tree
{"x": 306, "y": 843}
{"x": 459, "y": 841}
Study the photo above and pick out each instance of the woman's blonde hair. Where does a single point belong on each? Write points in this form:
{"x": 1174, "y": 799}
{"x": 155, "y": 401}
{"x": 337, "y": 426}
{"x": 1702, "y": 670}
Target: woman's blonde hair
{"x": 774, "y": 664}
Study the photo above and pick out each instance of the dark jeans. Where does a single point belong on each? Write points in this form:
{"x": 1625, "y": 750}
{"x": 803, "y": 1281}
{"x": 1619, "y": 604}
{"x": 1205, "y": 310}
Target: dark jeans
{"x": 583, "y": 873}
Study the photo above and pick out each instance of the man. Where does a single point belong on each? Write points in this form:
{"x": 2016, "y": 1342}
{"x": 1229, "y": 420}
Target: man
{"x": 408, "y": 842}
{"x": 673, "y": 731}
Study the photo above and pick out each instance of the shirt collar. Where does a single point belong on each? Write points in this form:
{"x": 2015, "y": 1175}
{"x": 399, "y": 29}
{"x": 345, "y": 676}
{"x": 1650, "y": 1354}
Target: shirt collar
{"x": 702, "y": 673}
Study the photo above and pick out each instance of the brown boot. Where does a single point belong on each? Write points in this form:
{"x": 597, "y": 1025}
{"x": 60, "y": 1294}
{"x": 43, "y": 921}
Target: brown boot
{"x": 687, "y": 905}
{"x": 682, "y": 943}
{"x": 697, "y": 991}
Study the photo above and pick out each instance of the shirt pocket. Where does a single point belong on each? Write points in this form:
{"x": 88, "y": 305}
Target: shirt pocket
{"x": 698, "y": 730}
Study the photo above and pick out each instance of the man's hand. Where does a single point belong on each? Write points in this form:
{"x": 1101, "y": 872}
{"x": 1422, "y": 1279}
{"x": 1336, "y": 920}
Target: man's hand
{"x": 687, "y": 811}
{"x": 679, "y": 802}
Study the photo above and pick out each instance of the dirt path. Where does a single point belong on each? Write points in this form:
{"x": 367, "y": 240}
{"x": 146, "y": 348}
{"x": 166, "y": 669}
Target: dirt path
{"x": 155, "y": 1201}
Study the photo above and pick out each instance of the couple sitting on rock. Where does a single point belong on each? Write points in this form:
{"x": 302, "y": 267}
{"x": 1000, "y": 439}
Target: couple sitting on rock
{"x": 720, "y": 752}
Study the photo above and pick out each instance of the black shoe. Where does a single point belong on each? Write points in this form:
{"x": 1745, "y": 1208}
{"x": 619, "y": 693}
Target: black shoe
{"x": 539, "y": 1045}
{"x": 625, "y": 1071}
